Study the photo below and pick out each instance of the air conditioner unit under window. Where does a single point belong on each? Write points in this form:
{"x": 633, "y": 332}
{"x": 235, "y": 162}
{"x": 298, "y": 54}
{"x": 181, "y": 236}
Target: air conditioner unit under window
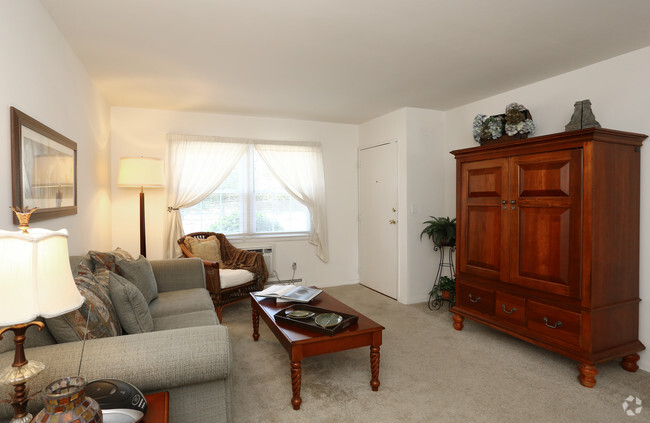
{"x": 268, "y": 253}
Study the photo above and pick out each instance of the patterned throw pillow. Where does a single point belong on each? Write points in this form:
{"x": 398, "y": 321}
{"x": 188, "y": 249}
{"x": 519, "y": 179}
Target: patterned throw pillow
{"x": 106, "y": 262}
{"x": 97, "y": 308}
{"x": 206, "y": 249}
{"x": 107, "y": 259}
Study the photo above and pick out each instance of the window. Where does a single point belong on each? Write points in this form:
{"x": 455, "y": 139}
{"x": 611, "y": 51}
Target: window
{"x": 250, "y": 201}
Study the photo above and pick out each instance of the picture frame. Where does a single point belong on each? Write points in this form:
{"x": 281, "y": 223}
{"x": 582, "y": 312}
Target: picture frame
{"x": 43, "y": 169}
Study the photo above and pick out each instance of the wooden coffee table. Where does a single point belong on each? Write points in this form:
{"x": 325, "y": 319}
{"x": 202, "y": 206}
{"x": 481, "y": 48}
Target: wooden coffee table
{"x": 301, "y": 343}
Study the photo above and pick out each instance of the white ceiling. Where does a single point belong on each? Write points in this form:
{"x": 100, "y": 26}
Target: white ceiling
{"x": 337, "y": 60}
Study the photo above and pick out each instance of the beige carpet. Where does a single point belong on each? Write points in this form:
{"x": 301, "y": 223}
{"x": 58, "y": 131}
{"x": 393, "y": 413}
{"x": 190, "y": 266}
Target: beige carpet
{"x": 429, "y": 373}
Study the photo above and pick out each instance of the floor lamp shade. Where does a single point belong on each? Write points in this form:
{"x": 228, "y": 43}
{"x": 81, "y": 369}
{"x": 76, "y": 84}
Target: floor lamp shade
{"x": 35, "y": 276}
{"x": 141, "y": 172}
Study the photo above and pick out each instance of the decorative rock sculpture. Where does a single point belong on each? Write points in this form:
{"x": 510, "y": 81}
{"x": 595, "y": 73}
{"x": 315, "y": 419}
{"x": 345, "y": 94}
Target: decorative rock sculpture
{"x": 582, "y": 117}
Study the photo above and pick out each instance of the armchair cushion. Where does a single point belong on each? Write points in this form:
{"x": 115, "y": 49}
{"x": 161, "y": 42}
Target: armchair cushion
{"x": 234, "y": 277}
{"x": 207, "y": 249}
{"x": 131, "y": 306}
{"x": 140, "y": 274}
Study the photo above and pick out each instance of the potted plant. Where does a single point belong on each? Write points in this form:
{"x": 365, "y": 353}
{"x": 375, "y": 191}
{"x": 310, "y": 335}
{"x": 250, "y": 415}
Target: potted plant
{"x": 441, "y": 230}
{"x": 445, "y": 288}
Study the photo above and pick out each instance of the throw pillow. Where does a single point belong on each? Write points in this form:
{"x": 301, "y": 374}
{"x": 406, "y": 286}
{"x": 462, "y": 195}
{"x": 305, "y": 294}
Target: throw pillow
{"x": 97, "y": 309}
{"x": 140, "y": 274}
{"x": 131, "y": 306}
{"x": 206, "y": 249}
{"x": 106, "y": 260}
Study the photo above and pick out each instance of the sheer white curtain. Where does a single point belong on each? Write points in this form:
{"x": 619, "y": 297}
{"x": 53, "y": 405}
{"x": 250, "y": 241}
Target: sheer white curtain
{"x": 299, "y": 168}
{"x": 197, "y": 166}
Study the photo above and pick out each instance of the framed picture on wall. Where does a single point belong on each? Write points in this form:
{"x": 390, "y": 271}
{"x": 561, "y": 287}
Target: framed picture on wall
{"x": 43, "y": 168}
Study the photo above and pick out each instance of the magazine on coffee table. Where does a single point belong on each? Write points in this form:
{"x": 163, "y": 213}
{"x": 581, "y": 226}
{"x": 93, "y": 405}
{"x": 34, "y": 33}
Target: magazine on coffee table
{"x": 302, "y": 294}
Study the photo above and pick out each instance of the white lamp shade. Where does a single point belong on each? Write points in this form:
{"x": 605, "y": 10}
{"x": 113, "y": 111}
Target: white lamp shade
{"x": 35, "y": 276}
{"x": 140, "y": 172}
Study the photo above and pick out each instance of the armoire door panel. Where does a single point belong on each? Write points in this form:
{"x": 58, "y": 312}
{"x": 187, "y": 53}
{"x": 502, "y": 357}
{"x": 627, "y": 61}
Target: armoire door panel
{"x": 549, "y": 178}
{"x": 484, "y": 188}
{"x": 485, "y": 182}
{"x": 483, "y": 252}
{"x": 545, "y": 221}
{"x": 545, "y": 257}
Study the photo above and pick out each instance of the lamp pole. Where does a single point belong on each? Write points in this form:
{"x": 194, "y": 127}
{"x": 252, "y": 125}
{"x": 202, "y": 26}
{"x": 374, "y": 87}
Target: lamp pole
{"x": 143, "y": 238}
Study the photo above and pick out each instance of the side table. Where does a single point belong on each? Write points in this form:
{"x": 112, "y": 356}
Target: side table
{"x": 157, "y": 408}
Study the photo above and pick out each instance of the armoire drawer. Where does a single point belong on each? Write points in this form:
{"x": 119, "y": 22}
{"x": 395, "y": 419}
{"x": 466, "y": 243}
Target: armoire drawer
{"x": 554, "y": 322}
{"x": 473, "y": 298}
{"x": 510, "y": 308}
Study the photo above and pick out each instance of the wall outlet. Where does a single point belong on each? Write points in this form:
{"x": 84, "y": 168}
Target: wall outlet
{"x": 294, "y": 265}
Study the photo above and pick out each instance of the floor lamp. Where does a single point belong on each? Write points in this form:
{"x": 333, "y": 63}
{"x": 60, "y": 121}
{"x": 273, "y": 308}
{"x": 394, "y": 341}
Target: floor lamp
{"x": 140, "y": 172}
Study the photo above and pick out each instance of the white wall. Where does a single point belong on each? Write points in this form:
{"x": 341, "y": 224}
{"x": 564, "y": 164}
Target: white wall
{"x": 425, "y": 193}
{"x": 144, "y": 132}
{"x": 42, "y": 77}
{"x": 420, "y": 138}
{"x": 618, "y": 89}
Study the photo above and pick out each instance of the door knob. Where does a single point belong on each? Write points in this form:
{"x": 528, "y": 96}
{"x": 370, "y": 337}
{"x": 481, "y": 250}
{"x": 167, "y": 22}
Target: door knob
{"x": 392, "y": 221}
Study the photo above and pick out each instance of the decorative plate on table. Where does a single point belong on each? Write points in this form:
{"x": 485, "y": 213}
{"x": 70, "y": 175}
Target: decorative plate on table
{"x": 300, "y": 314}
{"x": 327, "y": 320}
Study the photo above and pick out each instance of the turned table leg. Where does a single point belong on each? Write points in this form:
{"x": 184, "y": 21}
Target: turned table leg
{"x": 587, "y": 375}
{"x": 296, "y": 375}
{"x": 256, "y": 325}
{"x": 458, "y": 321}
{"x": 374, "y": 368}
{"x": 629, "y": 362}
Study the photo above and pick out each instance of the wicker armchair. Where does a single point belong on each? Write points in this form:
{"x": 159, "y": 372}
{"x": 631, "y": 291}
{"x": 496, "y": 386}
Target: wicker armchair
{"x": 232, "y": 258}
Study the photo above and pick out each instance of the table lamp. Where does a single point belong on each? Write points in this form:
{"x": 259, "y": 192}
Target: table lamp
{"x": 140, "y": 172}
{"x": 35, "y": 280}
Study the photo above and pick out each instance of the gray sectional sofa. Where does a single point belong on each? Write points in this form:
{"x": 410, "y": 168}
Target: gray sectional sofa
{"x": 188, "y": 353}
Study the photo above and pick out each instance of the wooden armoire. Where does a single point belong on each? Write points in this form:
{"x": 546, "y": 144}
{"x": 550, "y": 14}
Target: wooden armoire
{"x": 548, "y": 243}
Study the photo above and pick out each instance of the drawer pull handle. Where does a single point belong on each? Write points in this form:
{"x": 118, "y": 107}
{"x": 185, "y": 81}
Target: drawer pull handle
{"x": 474, "y": 300}
{"x": 556, "y": 325}
{"x": 512, "y": 310}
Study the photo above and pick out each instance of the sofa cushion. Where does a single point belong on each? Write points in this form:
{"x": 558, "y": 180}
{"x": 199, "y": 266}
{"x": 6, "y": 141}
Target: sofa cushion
{"x": 206, "y": 249}
{"x": 186, "y": 320}
{"x": 97, "y": 309}
{"x": 140, "y": 274}
{"x": 131, "y": 306}
{"x": 234, "y": 277}
{"x": 179, "y": 302}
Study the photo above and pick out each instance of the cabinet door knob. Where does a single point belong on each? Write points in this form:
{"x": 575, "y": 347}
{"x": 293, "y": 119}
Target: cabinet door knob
{"x": 512, "y": 310}
{"x": 474, "y": 300}
{"x": 392, "y": 221}
{"x": 555, "y": 326}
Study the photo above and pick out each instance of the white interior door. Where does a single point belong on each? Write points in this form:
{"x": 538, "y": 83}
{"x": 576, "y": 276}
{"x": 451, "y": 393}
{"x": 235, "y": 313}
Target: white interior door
{"x": 378, "y": 218}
